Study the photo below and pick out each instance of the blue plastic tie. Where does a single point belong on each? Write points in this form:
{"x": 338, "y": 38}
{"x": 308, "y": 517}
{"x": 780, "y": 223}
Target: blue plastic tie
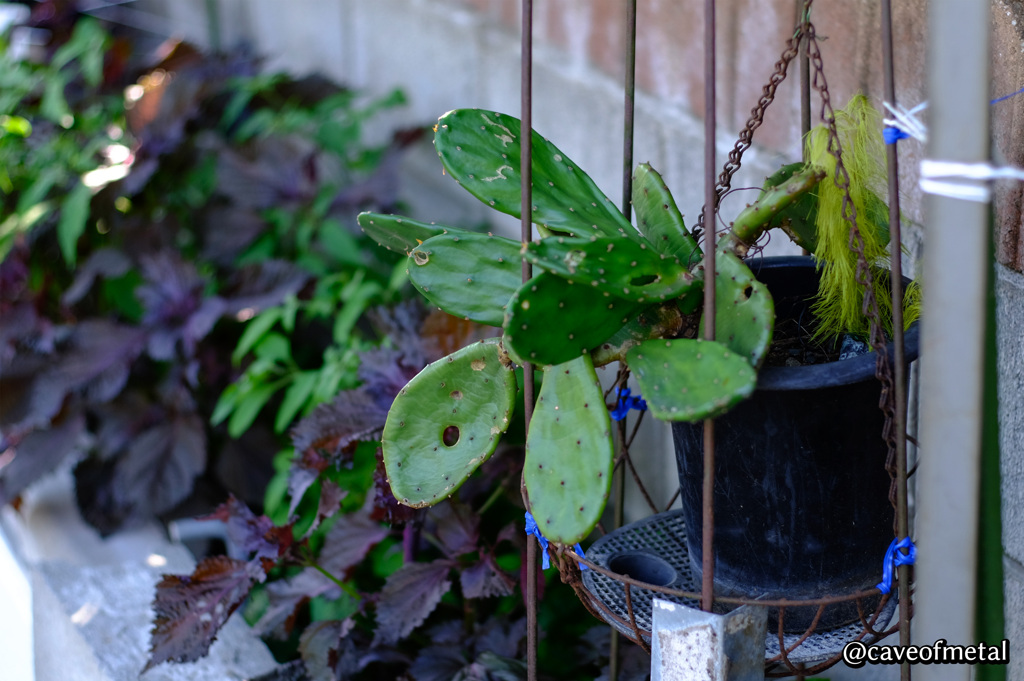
{"x": 893, "y": 559}
{"x": 626, "y": 403}
{"x": 893, "y": 135}
{"x": 531, "y": 528}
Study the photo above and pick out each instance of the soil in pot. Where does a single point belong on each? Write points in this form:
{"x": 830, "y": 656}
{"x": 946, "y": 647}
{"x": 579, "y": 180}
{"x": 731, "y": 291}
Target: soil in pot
{"x": 801, "y": 493}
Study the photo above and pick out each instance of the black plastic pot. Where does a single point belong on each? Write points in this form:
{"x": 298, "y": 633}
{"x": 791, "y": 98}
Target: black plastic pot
{"x": 801, "y": 493}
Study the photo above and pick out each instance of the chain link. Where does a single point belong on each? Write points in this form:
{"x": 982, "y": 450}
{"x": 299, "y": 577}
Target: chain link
{"x": 746, "y": 136}
{"x": 864, "y": 276}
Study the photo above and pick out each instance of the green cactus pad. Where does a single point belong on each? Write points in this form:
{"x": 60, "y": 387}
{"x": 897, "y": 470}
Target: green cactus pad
{"x": 447, "y": 421}
{"x": 797, "y": 219}
{"x": 745, "y": 314}
{"x": 481, "y": 150}
{"x": 657, "y": 321}
{"x": 468, "y": 275}
{"x": 792, "y": 190}
{"x": 401, "y": 234}
{"x": 569, "y": 452}
{"x": 659, "y": 219}
{"x": 619, "y": 267}
{"x": 689, "y": 380}
{"x": 550, "y": 321}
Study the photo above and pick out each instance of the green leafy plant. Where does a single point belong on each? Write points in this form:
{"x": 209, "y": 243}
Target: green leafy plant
{"x": 602, "y": 291}
{"x": 56, "y": 121}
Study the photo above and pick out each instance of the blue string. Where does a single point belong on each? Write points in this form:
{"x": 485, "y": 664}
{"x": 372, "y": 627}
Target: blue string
{"x": 1005, "y": 97}
{"x": 892, "y": 135}
{"x": 531, "y": 528}
{"x": 626, "y": 403}
{"x": 893, "y": 559}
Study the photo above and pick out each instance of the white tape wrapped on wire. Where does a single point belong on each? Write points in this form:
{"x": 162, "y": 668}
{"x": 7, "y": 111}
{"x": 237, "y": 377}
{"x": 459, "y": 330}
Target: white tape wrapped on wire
{"x": 965, "y": 181}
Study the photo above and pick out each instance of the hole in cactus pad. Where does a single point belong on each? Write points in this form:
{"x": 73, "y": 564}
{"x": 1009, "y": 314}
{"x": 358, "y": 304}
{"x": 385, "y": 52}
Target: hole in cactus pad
{"x": 450, "y": 437}
{"x": 747, "y": 292}
{"x": 644, "y": 280}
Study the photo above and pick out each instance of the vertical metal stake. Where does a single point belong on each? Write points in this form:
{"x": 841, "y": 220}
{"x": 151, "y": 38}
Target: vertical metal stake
{"x": 710, "y": 205}
{"x": 627, "y": 195}
{"x": 526, "y": 231}
{"x": 899, "y": 359}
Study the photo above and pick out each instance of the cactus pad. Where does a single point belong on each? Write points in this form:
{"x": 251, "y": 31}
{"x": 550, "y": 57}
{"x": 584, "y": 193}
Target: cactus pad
{"x": 792, "y": 189}
{"x": 689, "y": 379}
{"x": 447, "y": 421}
{"x": 569, "y": 452}
{"x": 659, "y": 219}
{"x": 745, "y": 315}
{"x": 616, "y": 266}
{"x": 550, "y": 321}
{"x": 401, "y": 234}
{"x": 481, "y": 150}
{"x": 468, "y": 275}
{"x": 657, "y": 321}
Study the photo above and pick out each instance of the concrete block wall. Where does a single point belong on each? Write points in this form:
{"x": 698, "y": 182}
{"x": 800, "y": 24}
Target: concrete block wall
{"x": 465, "y": 53}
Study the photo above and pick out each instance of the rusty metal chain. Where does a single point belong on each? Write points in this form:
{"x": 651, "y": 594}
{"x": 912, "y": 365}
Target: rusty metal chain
{"x": 864, "y": 276}
{"x": 746, "y": 136}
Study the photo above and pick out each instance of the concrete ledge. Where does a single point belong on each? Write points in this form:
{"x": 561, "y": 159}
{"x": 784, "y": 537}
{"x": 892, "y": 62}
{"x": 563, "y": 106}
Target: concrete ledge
{"x": 81, "y": 604}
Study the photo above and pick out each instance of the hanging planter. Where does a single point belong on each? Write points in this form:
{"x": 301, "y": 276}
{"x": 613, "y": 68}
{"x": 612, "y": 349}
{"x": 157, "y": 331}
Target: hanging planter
{"x": 801, "y": 498}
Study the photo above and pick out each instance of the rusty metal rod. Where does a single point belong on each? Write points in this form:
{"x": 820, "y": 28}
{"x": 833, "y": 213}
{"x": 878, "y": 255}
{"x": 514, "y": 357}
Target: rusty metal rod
{"x": 710, "y": 205}
{"x": 899, "y": 358}
{"x": 627, "y": 195}
{"x": 526, "y": 230}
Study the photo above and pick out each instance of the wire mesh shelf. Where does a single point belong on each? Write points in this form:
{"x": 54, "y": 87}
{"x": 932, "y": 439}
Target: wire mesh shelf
{"x": 659, "y": 543}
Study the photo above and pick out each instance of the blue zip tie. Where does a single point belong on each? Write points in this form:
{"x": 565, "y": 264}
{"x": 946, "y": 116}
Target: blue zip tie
{"x": 531, "y": 528}
{"x": 893, "y": 559}
{"x": 625, "y": 403}
{"x": 893, "y": 135}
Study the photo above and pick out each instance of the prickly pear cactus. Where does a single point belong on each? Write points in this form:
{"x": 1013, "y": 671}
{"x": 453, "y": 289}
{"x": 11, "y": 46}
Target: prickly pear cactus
{"x": 797, "y": 219}
{"x": 659, "y": 219}
{"x": 468, "y": 275}
{"x": 688, "y": 379}
{"x": 751, "y": 223}
{"x": 622, "y": 268}
{"x": 656, "y": 321}
{"x": 481, "y": 150}
{"x": 745, "y": 311}
{"x": 401, "y": 234}
{"x": 569, "y": 452}
{"x": 550, "y": 321}
{"x": 447, "y": 421}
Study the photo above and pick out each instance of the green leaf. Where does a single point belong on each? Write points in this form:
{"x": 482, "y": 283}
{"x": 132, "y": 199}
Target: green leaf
{"x": 54, "y": 106}
{"x": 659, "y": 219}
{"x": 247, "y": 409}
{"x": 255, "y": 328}
{"x": 355, "y": 304}
{"x": 447, "y": 421}
{"x": 225, "y": 404}
{"x": 481, "y": 150}
{"x": 15, "y": 125}
{"x": 690, "y": 379}
{"x": 74, "y": 212}
{"x": 622, "y": 268}
{"x": 472, "y": 276}
{"x": 295, "y": 398}
{"x": 569, "y": 452}
{"x": 401, "y": 234}
{"x": 274, "y": 348}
